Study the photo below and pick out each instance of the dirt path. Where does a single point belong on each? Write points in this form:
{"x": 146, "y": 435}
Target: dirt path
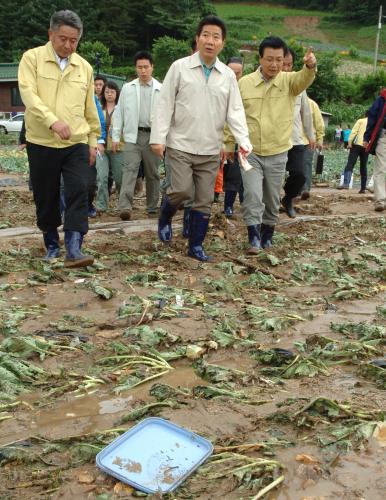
{"x": 306, "y": 26}
{"x": 319, "y": 293}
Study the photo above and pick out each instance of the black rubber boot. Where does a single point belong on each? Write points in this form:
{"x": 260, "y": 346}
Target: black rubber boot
{"x": 254, "y": 239}
{"x": 185, "y": 227}
{"x": 229, "y": 199}
{"x": 267, "y": 235}
{"x": 198, "y": 228}
{"x": 167, "y": 211}
{"x": 51, "y": 242}
{"x": 74, "y": 257}
{"x": 288, "y": 207}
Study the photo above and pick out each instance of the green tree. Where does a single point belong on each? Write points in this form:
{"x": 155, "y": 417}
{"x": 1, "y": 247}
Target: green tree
{"x": 326, "y": 84}
{"x": 166, "y": 50}
{"x": 89, "y": 51}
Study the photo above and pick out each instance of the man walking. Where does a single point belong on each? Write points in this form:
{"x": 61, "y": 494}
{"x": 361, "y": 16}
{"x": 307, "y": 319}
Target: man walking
{"x": 269, "y": 96}
{"x": 375, "y": 143}
{"x": 296, "y": 155}
{"x": 62, "y": 125}
{"x": 133, "y": 120}
{"x": 319, "y": 129}
{"x": 199, "y": 94}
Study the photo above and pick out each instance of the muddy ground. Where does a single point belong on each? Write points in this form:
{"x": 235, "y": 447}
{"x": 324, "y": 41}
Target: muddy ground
{"x": 320, "y": 293}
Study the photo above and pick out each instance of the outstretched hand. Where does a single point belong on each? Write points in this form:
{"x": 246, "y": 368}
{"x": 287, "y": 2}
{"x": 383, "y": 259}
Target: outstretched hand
{"x": 309, "y": 58}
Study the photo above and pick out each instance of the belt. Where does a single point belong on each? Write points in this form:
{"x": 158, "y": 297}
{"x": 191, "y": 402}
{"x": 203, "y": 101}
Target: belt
{"x": 144, "y": 129}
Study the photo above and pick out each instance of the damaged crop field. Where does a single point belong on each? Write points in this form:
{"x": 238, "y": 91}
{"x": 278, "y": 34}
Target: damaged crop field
{"x": 278, "y": 359}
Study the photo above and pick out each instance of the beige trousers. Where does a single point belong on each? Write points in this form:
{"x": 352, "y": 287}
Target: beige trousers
{"x": 192, "y": 177}
{"x": 380, "y": 170}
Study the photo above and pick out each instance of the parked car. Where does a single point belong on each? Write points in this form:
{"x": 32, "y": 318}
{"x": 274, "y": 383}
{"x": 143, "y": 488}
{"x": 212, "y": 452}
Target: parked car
{"x": 13, "y": 124}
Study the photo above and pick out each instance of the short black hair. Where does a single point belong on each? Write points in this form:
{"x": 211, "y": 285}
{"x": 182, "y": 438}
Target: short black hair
{"x": 272, "y": 42}
{"x": 214, "y": 21}
{"x": 292, "y": 52}
{"x": 236, "y": 60}
{"x": 100, "y": 77}
{"x": 143, "y": 54}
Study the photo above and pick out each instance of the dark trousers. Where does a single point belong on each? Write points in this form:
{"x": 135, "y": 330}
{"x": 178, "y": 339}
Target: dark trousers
{"x": 91, "y": 178}
{"x": 355, "y": 153}
{"x": 232, "y": 177}
{"x": 295, "y": 168}
{"x": 46, "y": 166}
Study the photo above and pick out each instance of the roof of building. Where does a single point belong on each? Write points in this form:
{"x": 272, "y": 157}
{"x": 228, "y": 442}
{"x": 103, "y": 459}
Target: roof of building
{"x": 8, "y": 73}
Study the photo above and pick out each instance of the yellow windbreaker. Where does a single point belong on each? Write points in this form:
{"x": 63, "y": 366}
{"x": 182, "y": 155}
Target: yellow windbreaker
{"x": 269, "y": 109}
{"x": 50, "y": 95}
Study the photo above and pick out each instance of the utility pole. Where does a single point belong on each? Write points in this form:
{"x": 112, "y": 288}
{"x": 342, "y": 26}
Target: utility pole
{"x": 378, "y": 37}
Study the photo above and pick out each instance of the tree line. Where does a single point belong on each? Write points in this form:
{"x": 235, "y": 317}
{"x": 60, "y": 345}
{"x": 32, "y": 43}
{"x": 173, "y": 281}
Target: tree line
{"x": 358, "y": 11}
{"x": 121, "y": 25}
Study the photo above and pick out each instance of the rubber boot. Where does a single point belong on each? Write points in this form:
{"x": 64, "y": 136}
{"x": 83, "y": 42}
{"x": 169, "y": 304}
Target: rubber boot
{"x": 198, "y": 228}
{"x": 254, "y": 239}
{"x": 51, "y": 242}
{"x": 288, "y": 207}
{"x": 267, "y": 235}
{"x": 363, "y": 184}
{"x": 346, "y": 179}
{"x": 229, "y": 199}
{"x": 185, "y": 228}
{"x": 74, "y": 257}
{"x": 167, "y": 211}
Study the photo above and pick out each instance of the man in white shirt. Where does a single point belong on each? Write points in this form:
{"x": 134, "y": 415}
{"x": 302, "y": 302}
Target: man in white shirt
{"x": 133, "y": 121}
{"x": 199, "y": 94}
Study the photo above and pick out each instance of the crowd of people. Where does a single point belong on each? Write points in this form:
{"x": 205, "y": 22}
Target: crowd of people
{"x": 213, "y": 128}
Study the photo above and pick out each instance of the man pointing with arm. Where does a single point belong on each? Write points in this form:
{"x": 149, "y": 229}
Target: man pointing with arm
{"x": 269, "y": 96}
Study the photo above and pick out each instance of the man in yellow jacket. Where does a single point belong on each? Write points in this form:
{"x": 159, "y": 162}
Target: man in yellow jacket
{"x": 355, "y": 145}
{"x": 62, "y": 128}
{"x": 269, "y": 96}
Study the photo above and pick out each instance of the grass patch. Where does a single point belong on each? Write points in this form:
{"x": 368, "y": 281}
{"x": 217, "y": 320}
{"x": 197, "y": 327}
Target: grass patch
{"x": 250, "y": 21}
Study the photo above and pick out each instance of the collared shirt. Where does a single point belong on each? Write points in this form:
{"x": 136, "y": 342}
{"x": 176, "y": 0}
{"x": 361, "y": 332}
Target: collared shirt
{"x": 126, "y": 114}
{"x": 191, "y": 112}
{"x": 62, "y": 61}
{"x": 207, "y": 69}
{"x": 145, "y": 91}
{"x": 269, "y": 109}
{"x": 50, "y": 95}
{"x": 263, "y": 76}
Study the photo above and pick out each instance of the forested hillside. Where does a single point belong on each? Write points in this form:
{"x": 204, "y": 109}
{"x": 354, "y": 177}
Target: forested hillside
{"x": 124, "y": 26}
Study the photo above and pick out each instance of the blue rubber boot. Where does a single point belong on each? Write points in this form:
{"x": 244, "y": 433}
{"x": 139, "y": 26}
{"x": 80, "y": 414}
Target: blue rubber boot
{"x": 51, "y": 242}
{"x": 198, "y": 228}
{"x": 267, "y": 235}
{"x": 254, "y": 238}
{"x": 167, "y": 211}
{"x": 229, "y": 199}
{"x": 185, "y": 228}
{"x": 74, "y": 257}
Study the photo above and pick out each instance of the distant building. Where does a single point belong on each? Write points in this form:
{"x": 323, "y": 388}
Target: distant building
{"x": 10, "y": 100}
